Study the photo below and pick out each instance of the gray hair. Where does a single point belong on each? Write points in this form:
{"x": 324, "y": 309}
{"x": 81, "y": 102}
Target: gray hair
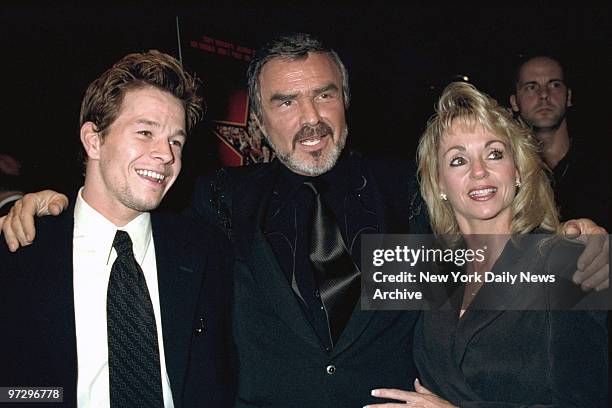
{"x": 290, "y": 47}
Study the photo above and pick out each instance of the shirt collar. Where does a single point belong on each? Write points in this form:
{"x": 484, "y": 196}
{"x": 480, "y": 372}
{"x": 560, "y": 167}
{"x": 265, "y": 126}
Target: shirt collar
{"x": 339, "y": 177}
{"x": 94, "y": 231}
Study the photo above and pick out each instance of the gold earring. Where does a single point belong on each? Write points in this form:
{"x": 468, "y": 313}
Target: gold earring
{"x": 443, "y": 196}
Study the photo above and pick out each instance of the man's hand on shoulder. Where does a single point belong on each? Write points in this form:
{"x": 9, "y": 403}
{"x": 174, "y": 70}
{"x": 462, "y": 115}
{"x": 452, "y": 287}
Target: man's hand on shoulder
{"x": 593, "y": 265}
{"x": 18, "y": 225}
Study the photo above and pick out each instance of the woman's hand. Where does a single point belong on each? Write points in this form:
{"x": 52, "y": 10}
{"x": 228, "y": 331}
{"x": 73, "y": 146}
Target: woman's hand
{"x": 421, "y": 398}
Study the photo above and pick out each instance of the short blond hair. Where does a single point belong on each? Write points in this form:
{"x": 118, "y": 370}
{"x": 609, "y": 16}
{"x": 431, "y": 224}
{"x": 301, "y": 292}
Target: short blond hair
{"x": 534, "y": 204}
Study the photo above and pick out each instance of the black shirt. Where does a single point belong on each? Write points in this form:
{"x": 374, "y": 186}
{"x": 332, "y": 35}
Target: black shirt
{"x": 349, "y": 194}
{"x": 581, "y": 182}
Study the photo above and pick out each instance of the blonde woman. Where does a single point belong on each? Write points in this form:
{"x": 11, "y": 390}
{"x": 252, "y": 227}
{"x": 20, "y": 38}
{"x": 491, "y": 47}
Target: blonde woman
{"x": 483, "y": 181}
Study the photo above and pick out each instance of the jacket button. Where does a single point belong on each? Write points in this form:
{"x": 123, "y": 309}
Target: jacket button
{"x": 330, "y": 369}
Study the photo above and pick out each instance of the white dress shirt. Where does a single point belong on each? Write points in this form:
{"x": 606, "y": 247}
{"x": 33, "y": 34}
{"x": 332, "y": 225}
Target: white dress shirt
{"x": 93, "y": 257}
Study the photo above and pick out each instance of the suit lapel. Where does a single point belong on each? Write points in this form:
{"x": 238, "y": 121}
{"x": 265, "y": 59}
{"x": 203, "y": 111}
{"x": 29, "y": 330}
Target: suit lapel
{"x": 52, "y": 262}
{"x": 248, "y": 217}
{"x": 249, "y": 214}
{"x": 360, "y": 318}
{"x": 180, "y": 279}
{"x": 502, "y": 296}
{"x": 65, "y": 300}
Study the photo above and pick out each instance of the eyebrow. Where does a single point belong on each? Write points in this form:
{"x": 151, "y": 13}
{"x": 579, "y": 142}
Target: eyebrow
{"x": 147, "y": 122}
{"x": 462, "y": 149}
{"x": 281, "y": 97}
{"x": 326, "y": 88}
{"x": 180, "y": 132}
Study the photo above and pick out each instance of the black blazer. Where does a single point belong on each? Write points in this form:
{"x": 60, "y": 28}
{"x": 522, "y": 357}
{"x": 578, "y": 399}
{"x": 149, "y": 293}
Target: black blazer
{"x": 37, "y": 304}
{"x": 518, "y": 358}
{"x": 280, "y": 360}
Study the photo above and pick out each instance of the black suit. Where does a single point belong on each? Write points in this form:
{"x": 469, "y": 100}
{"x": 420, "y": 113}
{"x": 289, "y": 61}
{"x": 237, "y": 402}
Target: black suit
{"x": 519, "y": 357}
{"x": 281, "y": 360}
{"x": 37, "y": 303}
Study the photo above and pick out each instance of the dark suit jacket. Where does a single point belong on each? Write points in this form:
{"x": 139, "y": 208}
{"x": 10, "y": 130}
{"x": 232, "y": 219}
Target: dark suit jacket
{"x": 38, "y": 345}
{"x": 280, "y": 360}
{"x": 518, "y": 358}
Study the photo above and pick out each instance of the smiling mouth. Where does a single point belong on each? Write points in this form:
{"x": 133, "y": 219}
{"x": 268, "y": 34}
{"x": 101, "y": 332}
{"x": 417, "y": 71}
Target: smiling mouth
{"x": 151, "y": 175}
{"x": 482, "y": 194}
{"x": 310, "y": 136}
{"x": 311, "y": 141}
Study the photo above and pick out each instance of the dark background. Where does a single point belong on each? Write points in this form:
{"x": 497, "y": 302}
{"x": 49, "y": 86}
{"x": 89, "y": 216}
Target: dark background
{"x": 399, "y": 58}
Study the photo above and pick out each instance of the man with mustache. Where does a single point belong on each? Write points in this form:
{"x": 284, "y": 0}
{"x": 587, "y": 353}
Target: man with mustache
{"x": 300, "y": 335}
{"x": 580, "y": 176}
{"x": 300, "y": 340}
{"x": 296, "y": 344}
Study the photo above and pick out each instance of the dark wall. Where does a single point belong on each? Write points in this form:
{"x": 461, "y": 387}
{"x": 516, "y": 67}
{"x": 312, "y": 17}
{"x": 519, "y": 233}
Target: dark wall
{"x": 399, "y": 58}
{"x": 50, "y": 55}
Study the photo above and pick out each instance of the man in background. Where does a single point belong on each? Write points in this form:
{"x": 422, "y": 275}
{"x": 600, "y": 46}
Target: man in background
{"x": 580, "y": 172}
{"x": 579, "y": 165}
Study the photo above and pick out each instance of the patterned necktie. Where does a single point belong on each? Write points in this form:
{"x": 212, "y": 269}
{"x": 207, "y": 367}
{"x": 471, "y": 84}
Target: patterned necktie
{"x": 133, "y": 351}
{"x": 335, "y": 272}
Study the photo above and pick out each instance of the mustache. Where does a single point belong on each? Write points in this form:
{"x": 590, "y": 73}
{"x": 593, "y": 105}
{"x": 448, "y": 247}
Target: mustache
{"x": 309, "y": 131}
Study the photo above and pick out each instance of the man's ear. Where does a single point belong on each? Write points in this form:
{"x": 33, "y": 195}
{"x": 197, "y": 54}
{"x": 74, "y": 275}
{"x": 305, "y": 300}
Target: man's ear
{"x": 90, "y": 138}
{"x": 515, "y": 107}
{"x": 569, "y": 103}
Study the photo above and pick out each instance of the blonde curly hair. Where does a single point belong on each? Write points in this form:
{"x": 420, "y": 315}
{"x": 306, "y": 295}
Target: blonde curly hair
{"x": 534, "y": 204}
